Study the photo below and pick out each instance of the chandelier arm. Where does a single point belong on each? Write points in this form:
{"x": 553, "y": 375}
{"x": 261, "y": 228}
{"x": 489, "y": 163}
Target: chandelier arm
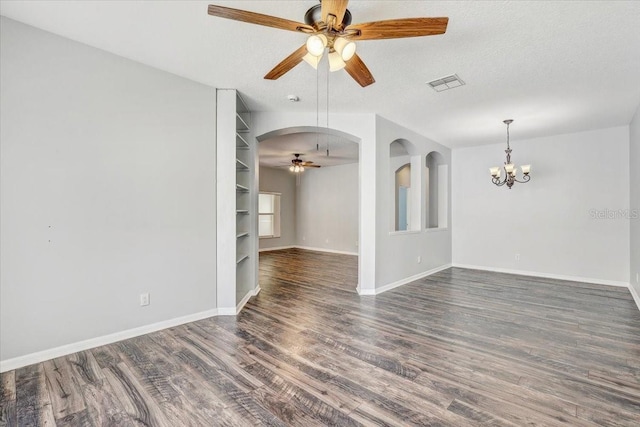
{"x": 497, "y": 182}
{"x": 525, "y": 178}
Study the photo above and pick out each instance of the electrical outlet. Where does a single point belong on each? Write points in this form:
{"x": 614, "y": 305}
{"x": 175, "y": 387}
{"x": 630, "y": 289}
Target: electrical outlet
{"x": 517, "y": 257}
{"x": 419, "y": 259}
{"x": 144, "y": 299}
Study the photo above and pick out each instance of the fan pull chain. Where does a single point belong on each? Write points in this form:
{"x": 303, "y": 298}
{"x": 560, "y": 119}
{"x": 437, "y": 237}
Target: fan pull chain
{"x": 317, "y": 109}
{"x": 328, "y": 72}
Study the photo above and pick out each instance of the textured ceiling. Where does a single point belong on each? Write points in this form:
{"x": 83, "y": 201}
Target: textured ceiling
{"x": 553, "y": 66}
{"x": 278, "y": 151}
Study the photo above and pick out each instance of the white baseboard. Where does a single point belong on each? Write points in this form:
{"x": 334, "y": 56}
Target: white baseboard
{"x": 401, "y": 282}
{"x": 545, "y": 275}
{"x": 278, "y": 248}
{"x": 635, "y": 295}
{"x": 410, "y": 279}
{"x": 365, "y": 291}
{"x": 41, "y": 356}
{"x": 332, "y": 251}
{"x": 232, "y": 311}
{"x": 309, "y": 248}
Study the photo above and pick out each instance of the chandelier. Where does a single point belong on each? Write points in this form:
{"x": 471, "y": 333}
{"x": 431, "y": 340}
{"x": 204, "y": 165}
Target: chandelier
{"x": 509, "y": 168}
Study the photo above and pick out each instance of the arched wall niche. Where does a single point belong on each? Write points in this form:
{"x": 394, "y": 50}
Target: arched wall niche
{"x": 405, "y": 171}
{"x": 436, "y": 191}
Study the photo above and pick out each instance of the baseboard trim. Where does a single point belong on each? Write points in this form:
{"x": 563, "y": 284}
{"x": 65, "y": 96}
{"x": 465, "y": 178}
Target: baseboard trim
{"x": 401, "y": 282}
{"x": 232, "y": 311}
{"x": 332, "y": 251}
{"x": 365, "y": 291}
{"x": 64, "y": 350}
{"x": 545, "y": 275}
{"x": 635, "y": 295}
{"x": 278, "y": 248}
{"x": 309, "y": 248}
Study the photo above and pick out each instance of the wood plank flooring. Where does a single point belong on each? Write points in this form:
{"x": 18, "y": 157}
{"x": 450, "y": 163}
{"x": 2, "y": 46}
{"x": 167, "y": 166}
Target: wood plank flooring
{"x": 458, "y": 348}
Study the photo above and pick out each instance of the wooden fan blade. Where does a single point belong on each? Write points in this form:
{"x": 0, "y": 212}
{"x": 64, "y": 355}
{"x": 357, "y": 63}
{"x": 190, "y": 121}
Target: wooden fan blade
{"x": 359, "y": 71}
{"x": 312, "y": 166}
{"x": 287, "y": 64}
{"x": 336, "y": 8}
{"x": 258, "y": 18}
{"x": 307, "y": 163}
{"x": 399, "y": 28}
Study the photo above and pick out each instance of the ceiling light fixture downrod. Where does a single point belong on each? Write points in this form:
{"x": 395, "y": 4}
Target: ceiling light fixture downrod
{"x": 509, "y": 168}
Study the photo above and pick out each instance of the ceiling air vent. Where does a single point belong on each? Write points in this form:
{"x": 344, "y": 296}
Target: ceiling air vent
{"x": 446, "y": 83}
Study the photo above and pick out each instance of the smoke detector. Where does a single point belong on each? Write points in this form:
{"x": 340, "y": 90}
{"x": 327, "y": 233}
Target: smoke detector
{"x": 446, "y": 83}
{"x": 293, "y": 98}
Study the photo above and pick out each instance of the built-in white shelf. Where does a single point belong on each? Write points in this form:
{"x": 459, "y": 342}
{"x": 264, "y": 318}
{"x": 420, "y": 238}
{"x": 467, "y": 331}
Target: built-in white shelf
{"x": 241, "y": 123}
{"x": 236, "y": 264}
{"x": 241, "y": 166}
{"x": 241, "y": 143}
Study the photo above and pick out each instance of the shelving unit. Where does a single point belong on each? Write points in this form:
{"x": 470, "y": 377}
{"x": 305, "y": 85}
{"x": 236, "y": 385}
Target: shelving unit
{"x": 237, "y": 246}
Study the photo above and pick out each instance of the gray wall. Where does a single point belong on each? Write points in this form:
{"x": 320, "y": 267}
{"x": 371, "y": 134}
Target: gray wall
{"x": 327, "y": 208}
{"x": 107, "y": 191}
{"x": 284, "y": 182}
{"x": 553, "y": 221}
{"x": 634, "y": 167}
{"x": 397, "y": 252}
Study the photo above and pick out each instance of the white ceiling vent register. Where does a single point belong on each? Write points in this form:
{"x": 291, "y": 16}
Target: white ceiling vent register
{"x": 446, "y": 83}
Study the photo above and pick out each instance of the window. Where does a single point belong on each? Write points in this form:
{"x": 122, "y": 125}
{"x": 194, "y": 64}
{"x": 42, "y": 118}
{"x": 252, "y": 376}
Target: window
{"x": 269, "y": 215}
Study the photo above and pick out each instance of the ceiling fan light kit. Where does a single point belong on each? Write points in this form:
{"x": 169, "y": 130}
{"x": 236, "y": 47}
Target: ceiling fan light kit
{"x": 316, "y": 44}
{"x": 328, "y": 25}
{"x": 336, "y": 62}
{"x": 510, "y": 169}
{"x": 312, "y": 60}
{"x": 345, "y": 48}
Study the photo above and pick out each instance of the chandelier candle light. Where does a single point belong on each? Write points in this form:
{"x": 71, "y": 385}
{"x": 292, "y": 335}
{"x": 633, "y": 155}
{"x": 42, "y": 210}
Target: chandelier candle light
{"x": 509, "y": 168}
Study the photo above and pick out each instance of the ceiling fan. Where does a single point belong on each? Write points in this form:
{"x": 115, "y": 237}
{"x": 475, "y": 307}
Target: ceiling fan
{"x": 328, "y": 25}
{"x": 298, "y": 165}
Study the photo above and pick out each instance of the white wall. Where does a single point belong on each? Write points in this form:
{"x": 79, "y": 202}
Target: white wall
{"x": 397, "y": 252}
{"x": 634, "y": 167}
{"x": 284, "y": 182}
{"x": 327, "y": 208}
{"x": 107, "y": 191}
{"x": 550, "y": 220}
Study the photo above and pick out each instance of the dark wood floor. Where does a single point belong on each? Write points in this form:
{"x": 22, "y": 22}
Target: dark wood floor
{"x": 461, "y": 347}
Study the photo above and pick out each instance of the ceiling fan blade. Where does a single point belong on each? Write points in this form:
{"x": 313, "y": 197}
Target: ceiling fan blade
{"x": 287, "y": 64}
{"x": 399, "y": 28}
{"x": 359, "y": 71}
{"x": 312, "y": 166}
{"x": 336, "y": 8}
{"x": 258, "y": 18}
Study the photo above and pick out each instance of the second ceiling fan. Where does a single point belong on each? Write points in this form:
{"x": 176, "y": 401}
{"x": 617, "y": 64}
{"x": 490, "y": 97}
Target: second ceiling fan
{"x": 328, "y": 25}
{"x": 298, "y": 165}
